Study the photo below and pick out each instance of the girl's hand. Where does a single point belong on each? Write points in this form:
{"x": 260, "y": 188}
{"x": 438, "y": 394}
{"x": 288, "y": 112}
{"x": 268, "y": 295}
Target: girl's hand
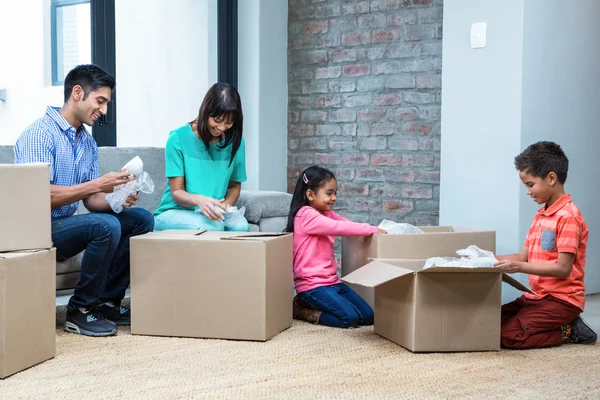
{"x": 206, "y": 205}
{"x": 382, "y": 231}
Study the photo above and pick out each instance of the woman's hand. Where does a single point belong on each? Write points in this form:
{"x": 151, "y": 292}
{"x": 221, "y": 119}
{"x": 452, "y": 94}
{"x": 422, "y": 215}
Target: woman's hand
{"x": 206, "y": 205}
{"x": 382, "y": 231}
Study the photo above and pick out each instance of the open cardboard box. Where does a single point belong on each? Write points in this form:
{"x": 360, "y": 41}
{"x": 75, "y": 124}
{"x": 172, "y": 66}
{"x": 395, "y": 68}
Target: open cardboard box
{"x": 226, "y": 285}
{"x": 436, "y": 309}
{"x": 437, "y": 241}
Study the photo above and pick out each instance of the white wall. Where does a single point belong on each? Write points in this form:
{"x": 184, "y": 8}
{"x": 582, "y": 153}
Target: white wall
{"x": 532, "y": 82}
{"x": 481, "y": 124}
{"x": 249, "y": 86}
{"x": 166, "y": 61}
{"x": 561, "y": 100}
{"x": 262, "y": 83}
{"x": 25, "y": 70}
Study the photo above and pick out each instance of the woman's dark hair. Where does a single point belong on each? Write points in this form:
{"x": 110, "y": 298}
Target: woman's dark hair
{"x": 90, "y": 77}
{"x": 311, "y": 178}
{"x": 222, "y": 100}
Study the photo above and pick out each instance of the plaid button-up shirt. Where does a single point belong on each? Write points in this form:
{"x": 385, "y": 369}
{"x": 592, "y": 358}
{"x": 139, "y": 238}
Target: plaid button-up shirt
{"x": 72, "y": 153}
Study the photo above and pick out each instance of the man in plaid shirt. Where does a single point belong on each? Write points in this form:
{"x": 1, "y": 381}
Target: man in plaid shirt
{"x": 553, "y": 256}
{"x": 61, "y": 139}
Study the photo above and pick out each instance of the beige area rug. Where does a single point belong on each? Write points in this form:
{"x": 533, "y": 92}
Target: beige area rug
{"x": 304, "y": 362}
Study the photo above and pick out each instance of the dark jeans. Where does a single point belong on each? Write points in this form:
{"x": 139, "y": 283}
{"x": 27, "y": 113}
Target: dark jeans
{"x": 105, "y": 239}
{"x": 341, "y": 307}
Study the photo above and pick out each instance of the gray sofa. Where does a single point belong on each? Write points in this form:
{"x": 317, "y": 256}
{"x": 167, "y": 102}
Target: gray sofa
{"x": 266, "y": 211}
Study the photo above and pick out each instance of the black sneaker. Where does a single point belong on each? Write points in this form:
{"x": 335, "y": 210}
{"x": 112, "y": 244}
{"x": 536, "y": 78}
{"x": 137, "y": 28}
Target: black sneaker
{"x": 116, "y": 313}
{"x": 86, "y": 322}
{"x": 579, "y": 332}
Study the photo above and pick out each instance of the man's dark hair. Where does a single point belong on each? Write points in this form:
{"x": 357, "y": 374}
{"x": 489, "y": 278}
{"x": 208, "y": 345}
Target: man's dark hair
{"x": 90, "y": 77}
{"x": 541, "y": 158}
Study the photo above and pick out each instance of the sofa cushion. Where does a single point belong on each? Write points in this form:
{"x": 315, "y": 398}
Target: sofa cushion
{"x": 254, "y": 227}
{"x": 272, "y": 224}
{"x": 72, "y": 264}
{"x": 67, "y": 281}
{"x": 7, "y": 155}
{"x": 264, "y": 204}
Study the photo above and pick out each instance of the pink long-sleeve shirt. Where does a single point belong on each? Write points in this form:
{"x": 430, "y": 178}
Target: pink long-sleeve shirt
{"x": 314, "y": 261}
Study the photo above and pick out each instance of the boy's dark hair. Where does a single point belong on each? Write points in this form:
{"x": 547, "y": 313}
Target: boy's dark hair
{"x": 222, "y": 100}
{"x": 90, "y": 77}
{"x": 541, "y": 158}
{"x": 311, "y": 178}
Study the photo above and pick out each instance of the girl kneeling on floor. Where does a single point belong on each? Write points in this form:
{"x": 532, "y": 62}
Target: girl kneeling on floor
{"x": 322, "y": 297}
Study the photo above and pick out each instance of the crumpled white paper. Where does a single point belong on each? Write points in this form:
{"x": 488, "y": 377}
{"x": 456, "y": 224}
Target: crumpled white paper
{"x": 120, "y": 193}
{"x": 471, "y": 257}
{"x": 394, "y": 228}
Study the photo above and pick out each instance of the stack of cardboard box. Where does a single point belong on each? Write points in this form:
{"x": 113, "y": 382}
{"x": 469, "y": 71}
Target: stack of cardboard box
{"x": 221, "y": 285}
{"x": 27, "y": 268}
{"x": 437, "y": 309}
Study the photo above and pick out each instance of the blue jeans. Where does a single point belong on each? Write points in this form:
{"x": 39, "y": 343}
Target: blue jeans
{"x": 185, "y": 219}
{"x": 341, "y": 307}
{"x": 105, "y": 239}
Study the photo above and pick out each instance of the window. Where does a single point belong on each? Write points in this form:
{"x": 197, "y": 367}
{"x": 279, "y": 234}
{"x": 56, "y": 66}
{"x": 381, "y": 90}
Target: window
{"x": 71, "y": 36}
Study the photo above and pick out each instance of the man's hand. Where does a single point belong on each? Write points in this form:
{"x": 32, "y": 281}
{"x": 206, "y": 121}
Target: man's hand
{"x": 206, "y": 205}
{"x": 382, "y": 231}
{"x": 507, "y": 266}
{"x": 107, "y": 182}
{"x": 131, "y": 200}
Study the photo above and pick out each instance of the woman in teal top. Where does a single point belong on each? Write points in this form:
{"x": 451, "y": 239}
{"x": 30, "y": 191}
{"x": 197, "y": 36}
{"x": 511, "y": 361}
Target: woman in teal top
{"x": 205, "y": 166}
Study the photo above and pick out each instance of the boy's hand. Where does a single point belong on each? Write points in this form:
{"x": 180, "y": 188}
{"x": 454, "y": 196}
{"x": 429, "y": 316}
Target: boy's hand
{"x": 507, "y": 266}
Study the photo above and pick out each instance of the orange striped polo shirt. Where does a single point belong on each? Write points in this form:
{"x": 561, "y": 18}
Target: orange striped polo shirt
{"x": 559, "y": 228}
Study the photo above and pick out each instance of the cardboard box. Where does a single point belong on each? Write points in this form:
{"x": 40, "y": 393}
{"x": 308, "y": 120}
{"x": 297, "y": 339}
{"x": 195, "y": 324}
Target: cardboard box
{"x": 27, "y": 309}
{"x": 436, "y": 309}
{"x": 437, "y": 241}
{"x": 25, "y": 207}
{"x": 222, "y": 285}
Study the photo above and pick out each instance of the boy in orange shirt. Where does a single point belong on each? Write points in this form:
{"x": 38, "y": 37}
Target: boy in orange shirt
{"x": 553, "y": 256}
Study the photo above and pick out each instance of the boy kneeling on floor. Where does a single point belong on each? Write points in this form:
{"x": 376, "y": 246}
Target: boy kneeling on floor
{"x": 553, "y": 256}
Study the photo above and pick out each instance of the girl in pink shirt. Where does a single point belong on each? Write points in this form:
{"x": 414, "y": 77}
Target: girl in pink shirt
{"x": 322, "y": 297}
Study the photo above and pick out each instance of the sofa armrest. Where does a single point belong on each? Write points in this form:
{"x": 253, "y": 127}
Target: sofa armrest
{"x": 264, "y": 204}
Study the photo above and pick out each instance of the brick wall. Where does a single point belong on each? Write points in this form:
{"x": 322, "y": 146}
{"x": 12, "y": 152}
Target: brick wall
{"x": 364, "y": 82}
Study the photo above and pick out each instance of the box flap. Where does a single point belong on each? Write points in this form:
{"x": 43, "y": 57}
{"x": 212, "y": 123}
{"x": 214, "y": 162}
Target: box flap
{"x": 434, "y": 270}
{"x": 19, "y": 253}
{"x": 203, "y": 235}
{"x": 435, "y": 229}
{"x": 376, "y": 273}
{"x": 516, "y": 284}
{"x": 410, "y": 264}
{"x": 33, "y": 165}
{"x": 449, "y": 229}
{"x": 255, "y": 236}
